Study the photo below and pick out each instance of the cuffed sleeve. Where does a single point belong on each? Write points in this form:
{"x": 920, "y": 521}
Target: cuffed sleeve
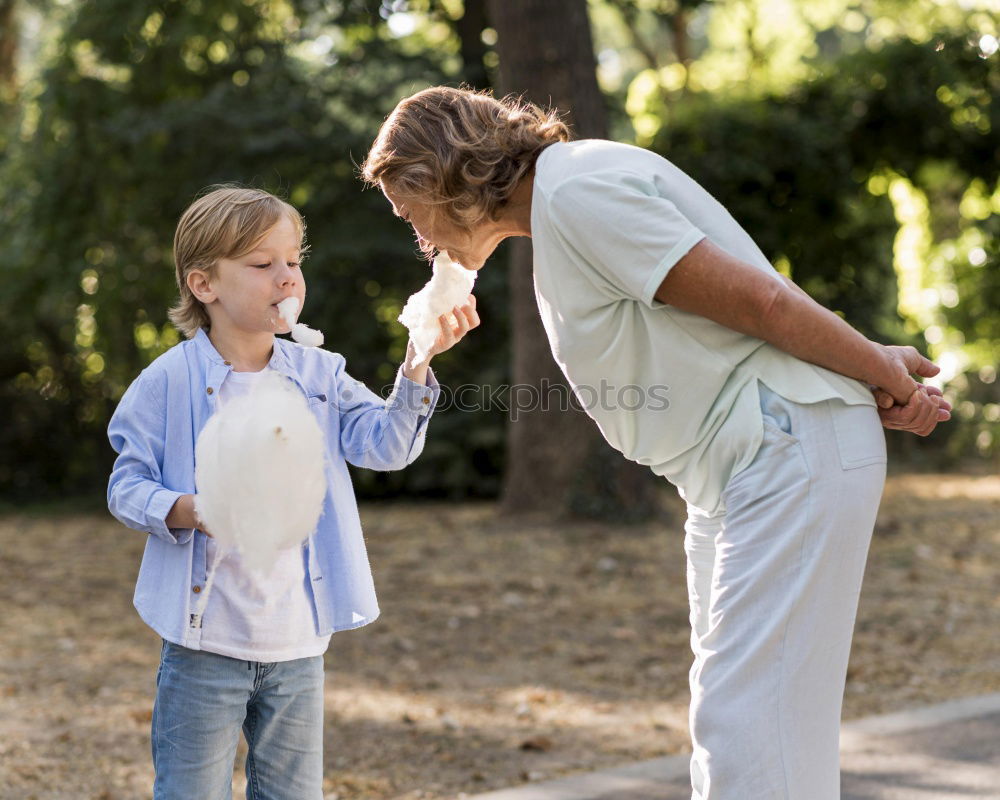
{"x": 136, "y": 495}
{"x": 627, "y": 234}
{"x": 384, "y": 434}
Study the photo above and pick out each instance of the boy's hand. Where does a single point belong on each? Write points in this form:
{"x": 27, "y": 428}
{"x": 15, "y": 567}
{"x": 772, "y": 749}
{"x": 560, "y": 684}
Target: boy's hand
{"x": 466, "y": 319}
{"x": 183, "y": 514}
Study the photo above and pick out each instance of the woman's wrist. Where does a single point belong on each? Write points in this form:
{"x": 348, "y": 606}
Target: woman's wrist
{"x": 891, "y": 374}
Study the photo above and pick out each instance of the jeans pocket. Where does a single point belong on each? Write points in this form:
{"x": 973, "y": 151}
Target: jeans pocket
{"x": 774, "y": 429}
{"x": 776, "y": 415}
{"x": 860, "y": 440}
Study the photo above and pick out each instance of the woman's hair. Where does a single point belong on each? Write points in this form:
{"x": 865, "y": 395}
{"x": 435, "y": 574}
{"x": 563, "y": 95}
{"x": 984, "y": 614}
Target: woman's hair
{"x": 227, "y": 222}
{"x": 460, "y": 151}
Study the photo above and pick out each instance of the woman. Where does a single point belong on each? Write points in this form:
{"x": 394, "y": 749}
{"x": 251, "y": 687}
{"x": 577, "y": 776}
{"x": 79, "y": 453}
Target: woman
{"x": 771, "y": 433}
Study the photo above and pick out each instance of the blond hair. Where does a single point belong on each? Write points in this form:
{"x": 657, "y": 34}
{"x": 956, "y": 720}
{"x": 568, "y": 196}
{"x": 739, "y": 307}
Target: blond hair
{"x": 227, "y": 222}
{"x": 460, "y": 151}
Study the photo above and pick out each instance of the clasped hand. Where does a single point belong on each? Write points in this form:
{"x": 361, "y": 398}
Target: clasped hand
{"x": 907, "y": 405}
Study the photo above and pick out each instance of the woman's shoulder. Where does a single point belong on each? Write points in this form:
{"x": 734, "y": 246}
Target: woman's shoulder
{"x": 596, "y": 154}
{"x": 581, "y": 162}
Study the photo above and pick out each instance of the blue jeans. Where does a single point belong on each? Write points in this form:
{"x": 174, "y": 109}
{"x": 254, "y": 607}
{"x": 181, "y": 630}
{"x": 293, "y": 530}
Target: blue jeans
{"x": 202, "y": 701}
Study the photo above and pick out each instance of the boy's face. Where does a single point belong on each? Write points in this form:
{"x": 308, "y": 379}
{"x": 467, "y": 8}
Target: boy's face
{"x": 243, "y": 293}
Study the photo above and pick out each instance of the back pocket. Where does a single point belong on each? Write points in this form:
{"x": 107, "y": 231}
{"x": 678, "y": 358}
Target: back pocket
{"x": 860, "y": 439}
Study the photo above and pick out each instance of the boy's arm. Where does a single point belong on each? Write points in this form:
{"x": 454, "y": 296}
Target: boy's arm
{"x": 390, "y": 434}
{"x": 385, "y": 434}
{"x": 137, "y": 431}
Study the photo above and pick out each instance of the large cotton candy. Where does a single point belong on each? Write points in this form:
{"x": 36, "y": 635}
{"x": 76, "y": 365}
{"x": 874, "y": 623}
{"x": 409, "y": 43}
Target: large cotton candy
{"x": 449, "y": 286}
{"x": 259, "y": 471}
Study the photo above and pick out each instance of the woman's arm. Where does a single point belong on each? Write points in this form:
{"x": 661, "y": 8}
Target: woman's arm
{"x": 713, "y": 284}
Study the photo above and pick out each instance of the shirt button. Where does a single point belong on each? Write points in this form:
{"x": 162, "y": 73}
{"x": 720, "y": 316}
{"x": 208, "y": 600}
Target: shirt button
{"x": 426, "y": 401}
{"x": 228, "y": 363}
{"x": 209, "y": 390}
{"x": 196, "y": 589}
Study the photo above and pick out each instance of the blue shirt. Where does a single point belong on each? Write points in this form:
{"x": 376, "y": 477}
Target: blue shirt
{"x": 154, "y": 430}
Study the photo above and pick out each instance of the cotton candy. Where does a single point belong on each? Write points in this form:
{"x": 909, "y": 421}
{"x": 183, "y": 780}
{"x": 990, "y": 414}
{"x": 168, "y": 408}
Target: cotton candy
{"x": 303, "y": 334}
{"x": 259, "y": 472}
{"x": 449, "y": 286}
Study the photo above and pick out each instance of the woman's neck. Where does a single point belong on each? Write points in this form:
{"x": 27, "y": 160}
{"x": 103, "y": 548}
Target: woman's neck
{"x": 516, "y": 216}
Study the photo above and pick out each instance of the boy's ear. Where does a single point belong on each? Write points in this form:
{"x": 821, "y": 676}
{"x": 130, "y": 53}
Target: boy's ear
{"x": 200, "y": 285}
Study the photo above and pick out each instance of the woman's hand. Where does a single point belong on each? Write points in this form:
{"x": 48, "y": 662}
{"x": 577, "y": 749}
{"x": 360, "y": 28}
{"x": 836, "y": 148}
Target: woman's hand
{"x": 466, "y": 319}
{"x": 904, "y": 404}
{"x": 902, "y": 363}
{"x": 925, "y": 408}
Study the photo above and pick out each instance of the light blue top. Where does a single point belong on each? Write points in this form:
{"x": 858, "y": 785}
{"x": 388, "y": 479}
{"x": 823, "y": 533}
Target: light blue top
{"x": 154, "y": 430}
{"x": 254, "y": 615}
{"x": 669, "y": 389}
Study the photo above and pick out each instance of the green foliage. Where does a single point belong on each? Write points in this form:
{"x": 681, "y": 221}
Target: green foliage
{"x": 809, "y": 173}
{"x": 784, "y": 172}
{"x": 143, "y": 103}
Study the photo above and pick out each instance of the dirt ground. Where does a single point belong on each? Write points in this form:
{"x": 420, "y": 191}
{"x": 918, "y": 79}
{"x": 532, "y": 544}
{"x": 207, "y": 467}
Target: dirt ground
{"x": 506, "y": 651}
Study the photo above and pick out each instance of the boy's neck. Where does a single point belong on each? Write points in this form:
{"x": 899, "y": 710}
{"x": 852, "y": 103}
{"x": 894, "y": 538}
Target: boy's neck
{"x": 244, "y": 352}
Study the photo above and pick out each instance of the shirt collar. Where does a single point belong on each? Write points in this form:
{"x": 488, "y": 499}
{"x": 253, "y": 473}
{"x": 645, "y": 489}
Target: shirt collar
{"x": 280, "y": 361}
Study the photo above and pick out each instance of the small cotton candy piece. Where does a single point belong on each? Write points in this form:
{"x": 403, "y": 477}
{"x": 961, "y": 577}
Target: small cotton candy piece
{"x": 449, "y": 286}
{"x": 306, "y": 336}
{"x": 259, "y": 472}
{"x": 303, "y": 334}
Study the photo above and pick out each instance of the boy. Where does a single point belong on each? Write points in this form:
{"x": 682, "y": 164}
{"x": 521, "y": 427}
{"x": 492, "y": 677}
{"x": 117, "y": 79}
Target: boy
{"x": 254, "y": 658}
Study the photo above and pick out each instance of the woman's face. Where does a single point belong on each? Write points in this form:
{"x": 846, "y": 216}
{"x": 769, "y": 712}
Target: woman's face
{"x": 468, "y": 248}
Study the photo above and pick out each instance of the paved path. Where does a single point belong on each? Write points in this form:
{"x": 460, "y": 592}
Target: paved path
{"x": 945, "y": 752}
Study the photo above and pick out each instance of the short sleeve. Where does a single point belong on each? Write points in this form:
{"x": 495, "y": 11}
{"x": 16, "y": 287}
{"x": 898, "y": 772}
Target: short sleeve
{"x": 625, "y": 232}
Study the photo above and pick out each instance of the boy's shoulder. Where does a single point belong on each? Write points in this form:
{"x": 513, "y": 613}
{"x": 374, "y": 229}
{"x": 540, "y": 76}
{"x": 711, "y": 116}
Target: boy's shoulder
{"x": 309, "y": 358}
{"x": 169, "y": 362}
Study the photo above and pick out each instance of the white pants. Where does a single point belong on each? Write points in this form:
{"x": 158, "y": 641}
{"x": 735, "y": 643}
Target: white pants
{"x": 773, "y": 583}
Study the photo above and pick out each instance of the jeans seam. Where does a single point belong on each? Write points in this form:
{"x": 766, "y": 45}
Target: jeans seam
{"x": 253, "y": 786}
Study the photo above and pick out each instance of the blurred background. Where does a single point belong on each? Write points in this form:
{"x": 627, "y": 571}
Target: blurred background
{"x": 858, "y": 141}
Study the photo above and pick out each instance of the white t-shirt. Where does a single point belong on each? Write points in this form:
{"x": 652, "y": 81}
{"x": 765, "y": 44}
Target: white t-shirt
{"x": 254, "y": 616}
{"x": 669, "y": 389}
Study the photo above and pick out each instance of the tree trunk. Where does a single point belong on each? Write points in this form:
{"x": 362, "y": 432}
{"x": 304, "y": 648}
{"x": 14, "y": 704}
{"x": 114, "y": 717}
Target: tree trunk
{"x": 556, "y": 458}
{"x": 472, "y": 49}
